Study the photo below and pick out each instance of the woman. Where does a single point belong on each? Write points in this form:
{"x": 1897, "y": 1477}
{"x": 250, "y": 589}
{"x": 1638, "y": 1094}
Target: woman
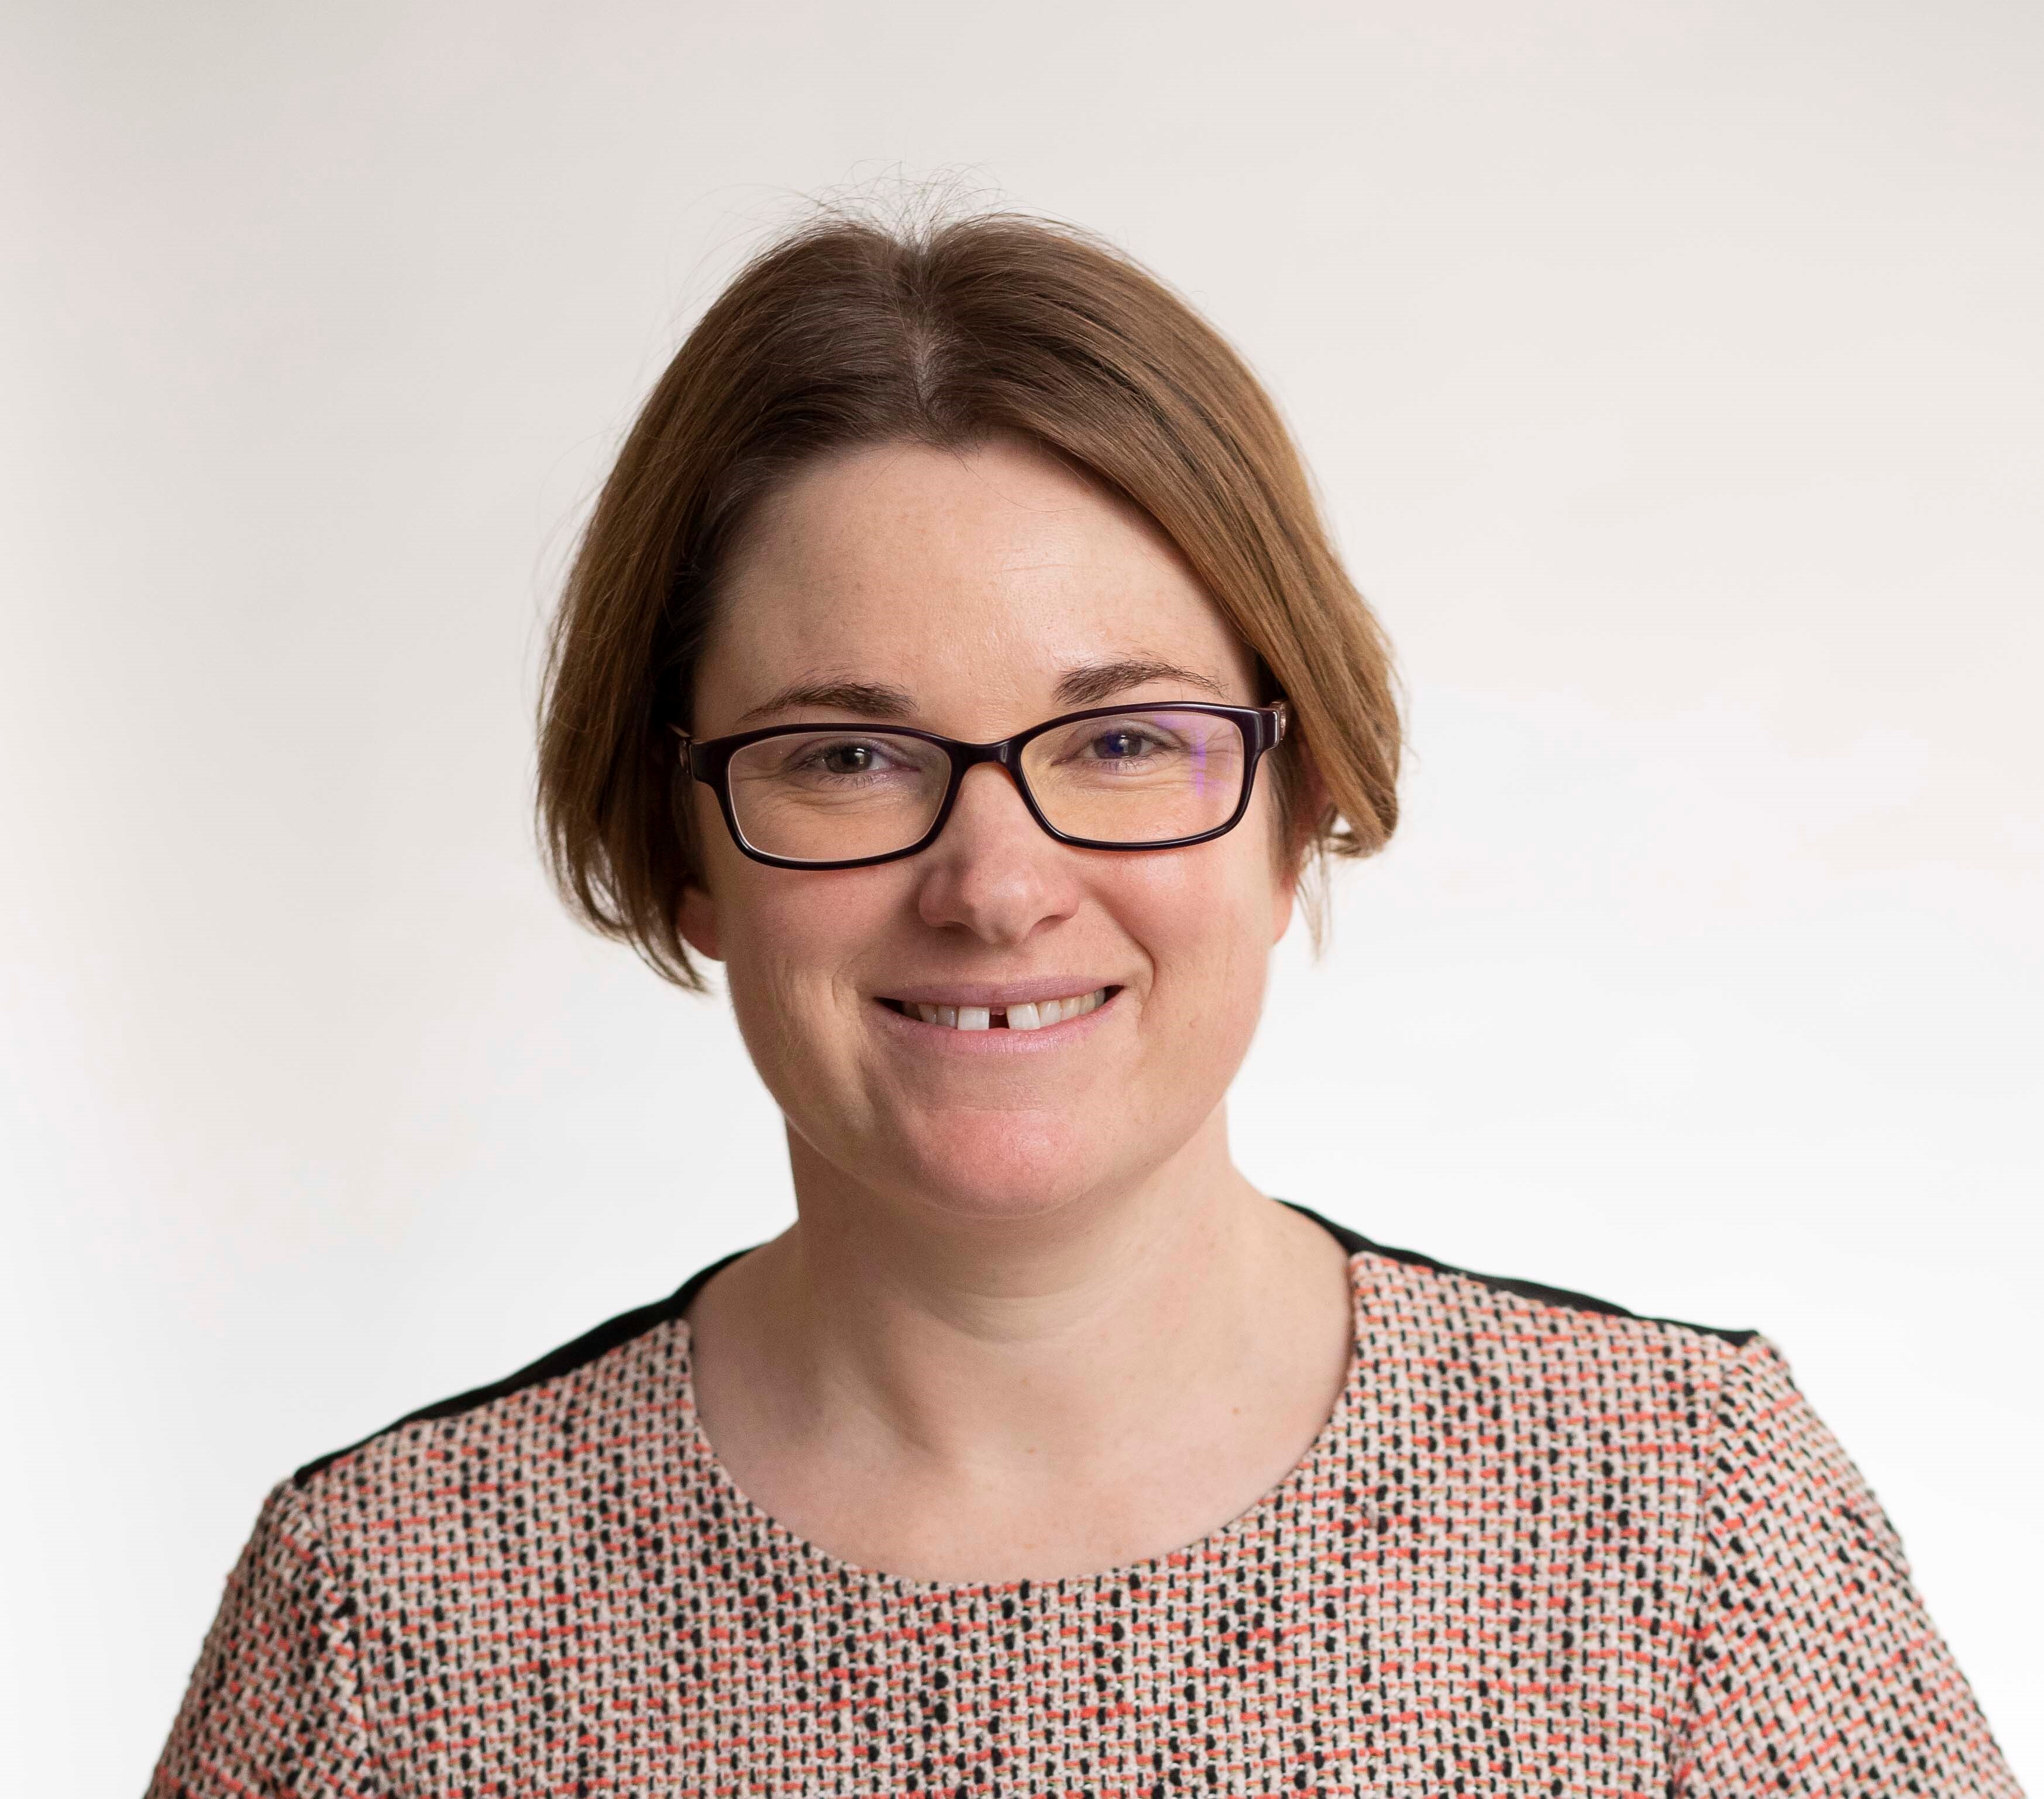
{"x": 955, "y": 656}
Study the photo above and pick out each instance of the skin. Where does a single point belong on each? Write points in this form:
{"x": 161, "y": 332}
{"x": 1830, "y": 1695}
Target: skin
{"x": 1032, "y": 1321}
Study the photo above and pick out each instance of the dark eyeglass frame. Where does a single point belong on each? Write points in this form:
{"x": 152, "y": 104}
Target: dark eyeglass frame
{"x": 709, "y": 760}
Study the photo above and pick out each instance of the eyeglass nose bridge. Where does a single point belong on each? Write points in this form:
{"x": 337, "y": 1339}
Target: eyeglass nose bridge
{"x": 966, "y": 756}
{"x": 1005, "y": 754}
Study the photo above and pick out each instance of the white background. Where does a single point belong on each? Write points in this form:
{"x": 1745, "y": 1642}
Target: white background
{"x": 1673, "y": 374}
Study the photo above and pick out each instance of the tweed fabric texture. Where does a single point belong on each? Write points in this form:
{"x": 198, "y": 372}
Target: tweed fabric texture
{"x": 1537, "y": 1549}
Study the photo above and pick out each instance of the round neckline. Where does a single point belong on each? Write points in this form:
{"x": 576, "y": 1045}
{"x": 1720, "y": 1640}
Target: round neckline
{"x": 1348, "y": 1405}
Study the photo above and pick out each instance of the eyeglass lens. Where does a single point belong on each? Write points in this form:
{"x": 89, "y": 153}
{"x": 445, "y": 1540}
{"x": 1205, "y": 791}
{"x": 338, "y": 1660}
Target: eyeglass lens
{"x": 841, "y": 794}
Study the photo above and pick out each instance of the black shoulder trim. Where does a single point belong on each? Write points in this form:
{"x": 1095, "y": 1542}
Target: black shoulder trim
{"x": 580, "y": 1353}
{"x": 1355, "y": 1243}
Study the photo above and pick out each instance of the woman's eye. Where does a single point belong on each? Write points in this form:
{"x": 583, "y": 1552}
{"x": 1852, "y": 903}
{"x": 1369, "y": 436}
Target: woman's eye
{"x": 851, "y": 760}
{"x": 1120, "y": 746}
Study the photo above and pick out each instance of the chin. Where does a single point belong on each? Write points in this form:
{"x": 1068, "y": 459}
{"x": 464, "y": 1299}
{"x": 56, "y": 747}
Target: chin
{"x": 1005, "y": 1165}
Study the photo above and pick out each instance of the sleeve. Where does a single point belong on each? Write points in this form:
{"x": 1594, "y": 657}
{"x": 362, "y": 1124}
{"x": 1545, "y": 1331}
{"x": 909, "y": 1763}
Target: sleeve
{"x": 275, "y": 1708}
{"x": 1814, "y": 1667}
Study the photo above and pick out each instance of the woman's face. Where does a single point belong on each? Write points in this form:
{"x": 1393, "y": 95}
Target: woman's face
{"x": 988, "y": 589}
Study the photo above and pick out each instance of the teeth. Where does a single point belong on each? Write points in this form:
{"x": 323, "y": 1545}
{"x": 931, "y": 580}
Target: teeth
{"x": 1022, "y": 1017}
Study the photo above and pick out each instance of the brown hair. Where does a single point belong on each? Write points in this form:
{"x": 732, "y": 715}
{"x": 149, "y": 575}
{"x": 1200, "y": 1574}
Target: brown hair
{"x": 847, "y": 333}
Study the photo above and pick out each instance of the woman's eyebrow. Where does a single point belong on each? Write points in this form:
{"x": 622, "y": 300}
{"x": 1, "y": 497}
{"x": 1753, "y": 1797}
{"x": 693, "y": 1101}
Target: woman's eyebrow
{"x": 1093, "y": 681}
{"x": 1080, "y": 686}
{"x": 873, "y": 699}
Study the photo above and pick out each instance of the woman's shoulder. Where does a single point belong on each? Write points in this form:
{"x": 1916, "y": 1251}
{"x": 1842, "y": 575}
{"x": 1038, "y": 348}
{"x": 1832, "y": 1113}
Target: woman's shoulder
{"x": 592, "y": 1391}
{"x": 1414, "y": 1307}
{"x": 1564, "y": 1391}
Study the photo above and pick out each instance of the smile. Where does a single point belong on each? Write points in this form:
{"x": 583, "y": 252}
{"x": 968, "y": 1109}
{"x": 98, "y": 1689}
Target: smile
{"x": 1018, "y": 1016}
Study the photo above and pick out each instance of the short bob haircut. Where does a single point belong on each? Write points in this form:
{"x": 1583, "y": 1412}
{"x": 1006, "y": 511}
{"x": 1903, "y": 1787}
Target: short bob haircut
{"x": 847, "y": 333}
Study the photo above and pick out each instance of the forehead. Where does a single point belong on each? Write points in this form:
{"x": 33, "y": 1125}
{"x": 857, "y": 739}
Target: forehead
{"x": 996, "y": 567}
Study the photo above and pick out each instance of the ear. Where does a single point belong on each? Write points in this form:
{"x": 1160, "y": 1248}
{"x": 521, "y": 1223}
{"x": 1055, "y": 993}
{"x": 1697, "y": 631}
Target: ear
{"x": 1283, "y": 903}
{"x": 698, "y": 924}
{"x": 1312, "y": 801}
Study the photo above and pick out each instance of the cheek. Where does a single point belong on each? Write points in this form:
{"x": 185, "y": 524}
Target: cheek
{"x": 792, "y": 944}
{"x": 781, "y": 929}
{"x": 1206, "y": 922}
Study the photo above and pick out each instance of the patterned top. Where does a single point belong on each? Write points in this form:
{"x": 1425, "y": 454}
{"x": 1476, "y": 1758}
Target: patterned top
{"x": 1541, "y": 1547}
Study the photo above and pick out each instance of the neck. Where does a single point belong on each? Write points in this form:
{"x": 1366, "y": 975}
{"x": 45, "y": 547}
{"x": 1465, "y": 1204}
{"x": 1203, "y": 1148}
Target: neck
{"x": 977, "y": 1340}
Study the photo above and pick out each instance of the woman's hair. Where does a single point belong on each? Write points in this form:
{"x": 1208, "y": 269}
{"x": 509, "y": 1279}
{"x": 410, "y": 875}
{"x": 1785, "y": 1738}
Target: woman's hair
{"x": 848, "y": 333}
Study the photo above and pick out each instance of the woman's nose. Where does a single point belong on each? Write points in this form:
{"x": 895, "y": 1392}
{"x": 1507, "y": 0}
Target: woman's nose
{"x": 993, "y": 870}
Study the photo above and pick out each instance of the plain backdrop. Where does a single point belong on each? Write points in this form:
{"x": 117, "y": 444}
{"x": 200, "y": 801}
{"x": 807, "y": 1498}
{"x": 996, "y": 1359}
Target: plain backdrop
{"x": 1672, "y": 376}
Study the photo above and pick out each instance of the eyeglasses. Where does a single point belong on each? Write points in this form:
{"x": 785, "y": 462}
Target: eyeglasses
{"x": 1110, "y": 777}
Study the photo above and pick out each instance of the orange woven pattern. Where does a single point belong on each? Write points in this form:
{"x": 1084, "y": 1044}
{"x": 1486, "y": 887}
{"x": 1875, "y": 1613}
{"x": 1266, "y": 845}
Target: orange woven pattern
{"x": 1537, "y": 1550}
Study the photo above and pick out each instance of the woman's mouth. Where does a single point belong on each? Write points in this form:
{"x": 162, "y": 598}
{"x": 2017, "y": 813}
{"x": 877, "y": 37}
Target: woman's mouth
{"x": 1019, "y": 1016}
